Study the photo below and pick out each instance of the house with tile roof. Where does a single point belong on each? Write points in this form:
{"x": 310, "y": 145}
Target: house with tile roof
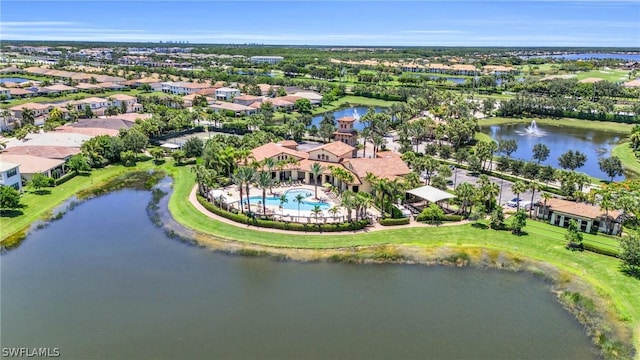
{"x": 589, "y": 217}
{"x": 296, "y": 165}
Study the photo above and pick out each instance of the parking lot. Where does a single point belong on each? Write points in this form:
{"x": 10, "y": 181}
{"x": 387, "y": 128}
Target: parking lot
{"x": 506, "y": 192}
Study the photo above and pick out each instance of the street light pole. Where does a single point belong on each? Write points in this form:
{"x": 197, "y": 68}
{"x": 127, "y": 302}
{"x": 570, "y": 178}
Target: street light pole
{"x": 455, "y": 177}
{"x": 500, "y": 196}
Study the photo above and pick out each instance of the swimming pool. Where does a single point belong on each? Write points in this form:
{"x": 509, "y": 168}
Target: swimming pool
{"x": 307, "y": 203}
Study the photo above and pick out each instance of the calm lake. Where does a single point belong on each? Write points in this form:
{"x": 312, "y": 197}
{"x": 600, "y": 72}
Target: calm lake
{"x": 103, "y": 282}
{"x": 593, "y": 143}
{"x": 350, "y": 111}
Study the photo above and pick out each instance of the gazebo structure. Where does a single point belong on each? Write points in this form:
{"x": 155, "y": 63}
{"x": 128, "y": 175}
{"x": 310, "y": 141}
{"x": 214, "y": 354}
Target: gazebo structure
{"x": 430, "y": 194}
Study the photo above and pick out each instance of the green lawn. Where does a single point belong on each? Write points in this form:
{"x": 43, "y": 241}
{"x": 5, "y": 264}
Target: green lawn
{"x": 353, "y": 100}
{"x": 629, "y": 160}
{"x": 560, "y": 122}
{"x": 39, "y": 206}
{"x": 609, "y": 75}
{"x": 73, "y": 96}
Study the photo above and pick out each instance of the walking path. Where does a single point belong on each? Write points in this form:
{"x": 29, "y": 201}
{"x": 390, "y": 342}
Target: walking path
{"x": 374, "y": 227}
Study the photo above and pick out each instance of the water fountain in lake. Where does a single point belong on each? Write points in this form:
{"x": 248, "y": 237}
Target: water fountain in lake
{"x": 356, "y": 115}
{"x": 531, "y": 130}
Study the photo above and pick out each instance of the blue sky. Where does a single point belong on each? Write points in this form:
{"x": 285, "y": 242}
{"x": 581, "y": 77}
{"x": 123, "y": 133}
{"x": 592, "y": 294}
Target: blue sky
{"x": 417, "y": 23}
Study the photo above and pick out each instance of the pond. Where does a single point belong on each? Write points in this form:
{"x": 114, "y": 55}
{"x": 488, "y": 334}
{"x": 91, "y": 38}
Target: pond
{"x": 114, "y": 286}
{"x": 593, "y": 143}
{"x": 356, "y": 111}
{"x": 13, "y": 80}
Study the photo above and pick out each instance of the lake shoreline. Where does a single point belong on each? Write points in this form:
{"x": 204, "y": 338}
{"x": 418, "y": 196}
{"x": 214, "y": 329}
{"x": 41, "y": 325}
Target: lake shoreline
{"x": 611, "y": 336}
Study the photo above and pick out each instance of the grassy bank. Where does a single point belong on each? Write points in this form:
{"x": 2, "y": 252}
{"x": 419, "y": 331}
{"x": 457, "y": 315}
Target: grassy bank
{"x": 600, "y": 272}
{"x": 353, "y": 100}
{"x": 629, "y": 160}
{"x": 561, "y": 122}
{"x": 36, "y": 207}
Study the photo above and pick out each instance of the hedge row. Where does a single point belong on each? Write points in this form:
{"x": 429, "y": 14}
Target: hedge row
{"x": 65, "y": 178}
{"x": 256, "y": 221}
{"x": 598, "y": 250}
{"x": 392, "y": 221}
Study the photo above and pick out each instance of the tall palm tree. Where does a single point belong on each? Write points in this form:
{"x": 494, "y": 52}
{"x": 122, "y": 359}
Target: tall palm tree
{"x": 518, "y": 188}
{"x": 465, "y": 192}
{"x": 365, "y": 134}
{"x": 283, "y": 199}
{"x": 347, "y": 201}
{"x": 334, "y": 211}
{"x": 238, "y": 179}
{"x": 316, "y": 170}
{"x": 249, "y": 177}
{"x": 264, "y": 181}
{"x": 299, "y": 199}
{"x": 316, "y": 211}
{"x": 534, "y": 186}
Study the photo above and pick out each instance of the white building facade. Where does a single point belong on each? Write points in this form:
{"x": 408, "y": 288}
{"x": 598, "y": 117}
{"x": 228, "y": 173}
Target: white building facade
{"x": 10, "y": 175}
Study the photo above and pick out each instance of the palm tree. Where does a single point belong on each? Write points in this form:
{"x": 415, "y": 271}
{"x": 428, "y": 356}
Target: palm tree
{"x": 465, "y": 192}
{"x": 316, "y": 170}
{"x": 534, "y": 186}
{"x": 365, "y": 134}
{"x": 518, "y": 188}
{"x": 347, "y": 201}
{"x": 334, "y": 211}
{"x": 298, "y": 199}
{"x": 316, "y": 211}
{"x": 362, "y": 202}
{"x": 264, "y": 181}
{"x": 283, "y": 199}
{"x": 238, "y": 179}
{"x": 250, "y": 176}
{"x": 28, "y": 117}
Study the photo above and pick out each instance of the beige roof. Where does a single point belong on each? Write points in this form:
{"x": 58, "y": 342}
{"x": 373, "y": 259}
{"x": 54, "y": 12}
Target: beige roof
{"x": 231, "y": 106}
{"x": 305, "y": 165}
{"x": 290, "y": 98}
{"x": 88, "y": 131}
{"x": 59, "y": 87}
{"x": 272, "y": 149}
{"x": 83, "y": 86}
{"x": 51, "y": 152}
{"x": 4, "y": 165}
{"x": 579, "y": 209}
{"x": 388, "y": 167}
{"x": 32, "y": 106}
{"x": 347, "y": 119}
{"x": 337, "y": 148}
{"x": 248, "y": 98}
{"x": 10, "y": 69}
{"x": 30, "y": 164}
{"x": 19, "y": 92}
{"x": 464, "y": 67}
{"x": 131, "y": 117}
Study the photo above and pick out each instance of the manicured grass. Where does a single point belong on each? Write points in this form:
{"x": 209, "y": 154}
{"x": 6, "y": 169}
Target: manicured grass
{"x": 353, "y": 100}
{"x": 560, "y": 122}
{"x": 609, "y": 75}
{"x": 72, "y": 96}
{"x": 542, "y": 244}
{"x": 39, "y": 206}
{"x": 629, "y": 160}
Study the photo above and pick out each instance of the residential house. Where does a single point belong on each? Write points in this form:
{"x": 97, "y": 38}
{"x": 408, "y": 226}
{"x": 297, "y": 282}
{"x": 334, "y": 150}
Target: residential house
{"x": 30, "y": 165}
{"x": 313, "y": 97}
{"x": 296, "y": 165}
{"x": 247, "y": 100}
{"x": 235, "y": 108}
{"x": 226, "y": 93}
{"x": 589, "y": 217}
{"x": 40, "y": 112}
{"x": 131, "y": 102}
{"x": 10, "y": 175}
{"x": 5, "y": 93}
{"x": 56, "y": 89}
{"x": 183, "y": 87}
{"x": 11, "y": 70}
{"x": 51, "y": 152}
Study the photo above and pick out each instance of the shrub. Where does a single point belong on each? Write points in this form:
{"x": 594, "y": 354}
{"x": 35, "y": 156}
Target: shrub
{"x": 433, "y": 214}
{"x": 65, "y": 178}
{"x": 391, "y": 222}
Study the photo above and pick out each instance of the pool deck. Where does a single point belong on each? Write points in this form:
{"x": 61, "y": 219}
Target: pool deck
{"x": 292, "y": 214}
